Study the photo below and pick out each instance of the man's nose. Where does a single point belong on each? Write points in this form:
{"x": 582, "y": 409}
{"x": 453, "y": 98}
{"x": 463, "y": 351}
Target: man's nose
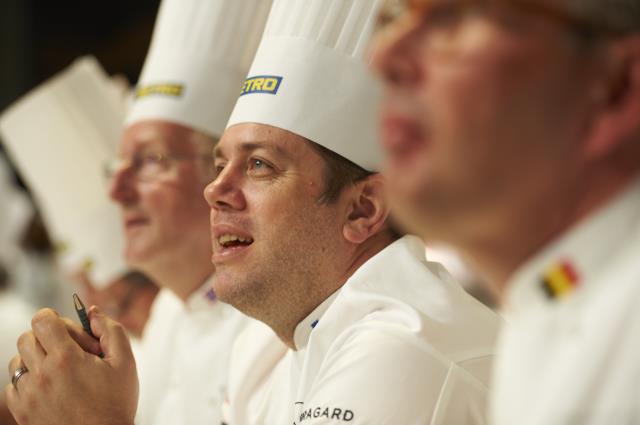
{"x": 122, "y": 186}
{"x": 225, "y": 191}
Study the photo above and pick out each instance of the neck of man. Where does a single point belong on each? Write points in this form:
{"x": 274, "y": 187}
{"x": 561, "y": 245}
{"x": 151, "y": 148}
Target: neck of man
{"x": 182, "y": 276}
{"x": 527, "y": 232}
{"x": 285, "y": 320}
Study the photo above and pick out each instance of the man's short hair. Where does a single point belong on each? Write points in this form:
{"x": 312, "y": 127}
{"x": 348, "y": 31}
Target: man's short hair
{"x": 340, "y": 173}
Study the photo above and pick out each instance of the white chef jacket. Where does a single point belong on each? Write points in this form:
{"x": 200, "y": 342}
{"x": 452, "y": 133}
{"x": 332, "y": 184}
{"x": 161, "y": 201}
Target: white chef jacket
{"x": 399, "y": 344}
{"x": 575, "y": 360}
{"x": 15, "y": 319}
{"x": 184, "y": 357}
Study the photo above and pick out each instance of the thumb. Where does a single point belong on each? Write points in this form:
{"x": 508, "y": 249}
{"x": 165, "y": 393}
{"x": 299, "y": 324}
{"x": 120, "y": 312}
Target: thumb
{"x": 113, "y": 338}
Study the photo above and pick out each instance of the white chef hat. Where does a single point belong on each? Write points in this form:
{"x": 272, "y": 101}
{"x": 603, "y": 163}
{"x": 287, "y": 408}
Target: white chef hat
{"x": 310, "y": 76}
{"x": 199, "y": 55}
{"x": 60, "y": 136}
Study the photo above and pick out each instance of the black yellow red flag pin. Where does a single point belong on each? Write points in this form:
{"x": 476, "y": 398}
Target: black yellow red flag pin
{"x": 560, "y": 280}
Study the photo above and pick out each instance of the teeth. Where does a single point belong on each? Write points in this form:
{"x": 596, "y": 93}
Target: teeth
{"x": 227, "y": 238}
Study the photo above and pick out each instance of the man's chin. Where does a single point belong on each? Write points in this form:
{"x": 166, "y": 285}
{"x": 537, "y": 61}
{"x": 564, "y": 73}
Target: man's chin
{"x": 138, "y": 256}
{"x": 223, "y": 287}
{"x": 233, "y": 290}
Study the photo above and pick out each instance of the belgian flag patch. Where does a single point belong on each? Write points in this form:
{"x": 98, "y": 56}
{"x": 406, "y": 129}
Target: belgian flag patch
{"x": 560, "y": 280}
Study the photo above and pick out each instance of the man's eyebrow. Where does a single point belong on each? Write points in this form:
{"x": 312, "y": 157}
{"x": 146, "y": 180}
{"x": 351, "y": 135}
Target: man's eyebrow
{"x": 245, "y": 147}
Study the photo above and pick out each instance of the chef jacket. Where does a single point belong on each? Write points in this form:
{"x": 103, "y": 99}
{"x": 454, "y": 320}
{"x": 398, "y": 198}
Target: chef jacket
{"x": 184, "y": 358}
{"x": 399, "y": 343}
{"x": 570, "y": 354}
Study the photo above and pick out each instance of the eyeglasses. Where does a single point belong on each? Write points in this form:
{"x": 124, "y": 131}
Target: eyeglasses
{"x": 446, "y": 21}
{"x": 150, "y": 166}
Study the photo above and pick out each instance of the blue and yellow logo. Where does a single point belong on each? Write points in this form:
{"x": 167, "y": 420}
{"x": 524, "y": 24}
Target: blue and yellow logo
{"x": 261, "y": 84}
{"x": 171, "y": 90}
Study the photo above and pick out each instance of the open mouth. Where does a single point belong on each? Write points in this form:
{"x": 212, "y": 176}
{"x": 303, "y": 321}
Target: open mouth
{"x": 134, "y": 222}
{"x": 400, "y": 135}
{"x": 230, "y": 241}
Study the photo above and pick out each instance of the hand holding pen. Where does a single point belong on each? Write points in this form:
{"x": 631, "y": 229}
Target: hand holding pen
{"x": 62, "y": 368}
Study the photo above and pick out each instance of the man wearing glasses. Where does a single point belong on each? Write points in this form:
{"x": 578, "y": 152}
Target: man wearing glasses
{"x": 511, "y": 129}
{"x": 182, "y": 102}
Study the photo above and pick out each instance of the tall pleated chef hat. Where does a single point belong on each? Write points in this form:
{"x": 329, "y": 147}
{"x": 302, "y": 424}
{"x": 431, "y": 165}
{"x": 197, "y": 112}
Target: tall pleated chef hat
{"x": 310, "y": 76}
{"x": 199, "y": 55}
{"x": 60, "y": 136}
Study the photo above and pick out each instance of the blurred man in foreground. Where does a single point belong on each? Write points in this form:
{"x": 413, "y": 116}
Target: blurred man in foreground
{"x": 512, "y": 132}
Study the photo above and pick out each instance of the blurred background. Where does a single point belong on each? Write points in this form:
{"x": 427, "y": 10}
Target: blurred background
{"x": 38, "y": 39}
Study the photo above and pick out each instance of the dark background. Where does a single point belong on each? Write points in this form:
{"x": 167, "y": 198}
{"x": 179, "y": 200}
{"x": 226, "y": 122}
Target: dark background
{"x": 39, "y": 38}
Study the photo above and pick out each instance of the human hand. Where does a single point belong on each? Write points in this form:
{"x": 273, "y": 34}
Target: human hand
{"x": 66, "y": 382}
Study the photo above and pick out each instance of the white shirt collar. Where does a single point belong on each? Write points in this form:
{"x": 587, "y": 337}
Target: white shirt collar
{"x": 302, "y": 333}
{"x": 588, "y": 247}
{"x": 373, "y": 266}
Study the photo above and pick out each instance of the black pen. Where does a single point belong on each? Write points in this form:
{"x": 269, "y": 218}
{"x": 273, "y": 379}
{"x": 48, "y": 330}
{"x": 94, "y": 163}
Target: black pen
{"x": 82, "y": 315}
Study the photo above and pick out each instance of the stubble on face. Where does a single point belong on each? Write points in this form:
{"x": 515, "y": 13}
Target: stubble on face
{"x": 297, "y": 243}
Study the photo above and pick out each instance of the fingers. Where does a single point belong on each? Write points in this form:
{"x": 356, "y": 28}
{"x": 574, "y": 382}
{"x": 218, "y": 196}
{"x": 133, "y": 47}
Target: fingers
{"x": 113, "y": 338}
{"x": 14, "y": 365}
{"x": 14, "y": 405}
{"x": 11, "y": 398}
{"x": 84, "y": 340}
{"x": 52, "y": 332}
{"x": 30, "y": 350}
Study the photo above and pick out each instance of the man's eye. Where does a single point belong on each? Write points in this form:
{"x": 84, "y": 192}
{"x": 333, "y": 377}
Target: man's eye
{"x": 258, "y": 163}
{"x": 259, "y": 167}
{"x": 151, "y": 159}
{"x": 218, "y": 167}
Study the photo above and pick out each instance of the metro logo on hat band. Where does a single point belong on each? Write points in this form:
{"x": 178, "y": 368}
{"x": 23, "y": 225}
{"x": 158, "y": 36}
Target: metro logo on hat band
{"x": 560, "y": 280}
{"x": 261, "y": 84}
{"x": 172, "y": 90}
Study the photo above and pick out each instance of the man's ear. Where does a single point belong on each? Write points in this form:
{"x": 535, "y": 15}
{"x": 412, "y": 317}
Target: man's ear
{"x": 367, "y": 209}
{"x": 618, "y": 117}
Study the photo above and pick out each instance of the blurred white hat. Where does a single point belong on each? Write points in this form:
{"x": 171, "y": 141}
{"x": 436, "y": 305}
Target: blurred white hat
{"x": 310, "y": 76}
{"x": 199, "y": 55}
{"x": 60, "y": 135}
